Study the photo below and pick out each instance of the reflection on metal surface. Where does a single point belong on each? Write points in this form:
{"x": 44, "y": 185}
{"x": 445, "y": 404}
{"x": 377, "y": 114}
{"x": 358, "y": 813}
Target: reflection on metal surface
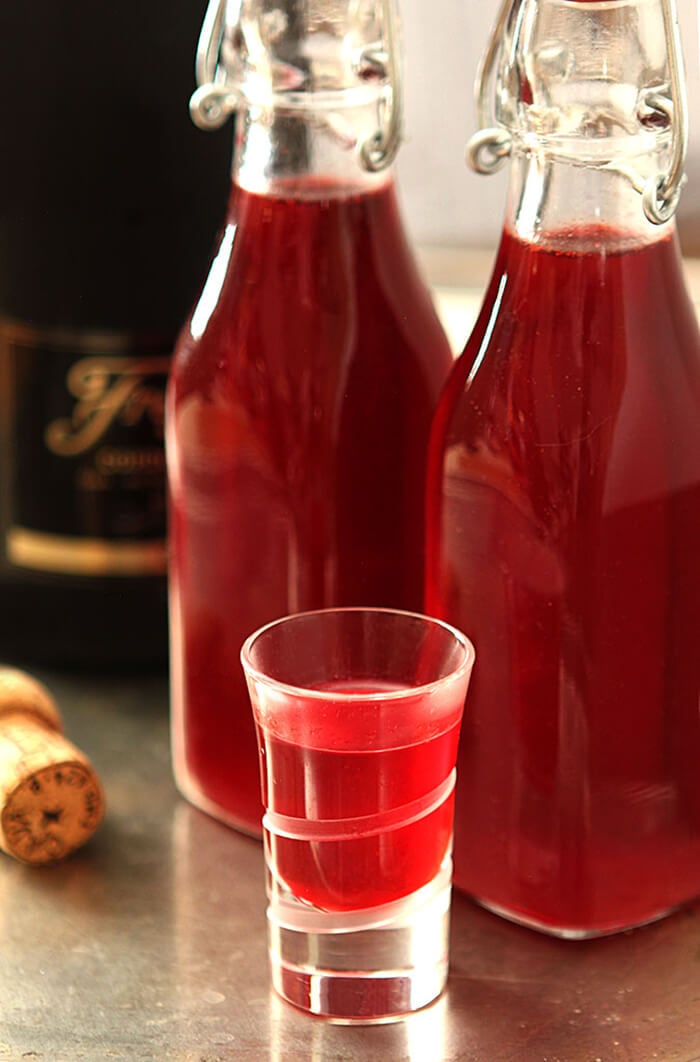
{"x": 425, "y": 1033}
{"x": 222, "y": 989}
{"x": 419, "y": 1037}
{"x": 150, "y": 944}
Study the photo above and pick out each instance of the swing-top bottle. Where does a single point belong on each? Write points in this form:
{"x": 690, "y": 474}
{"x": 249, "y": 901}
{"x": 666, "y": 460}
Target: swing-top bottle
{"x": 306, "y": 377}
{"x": 564, "y": 484}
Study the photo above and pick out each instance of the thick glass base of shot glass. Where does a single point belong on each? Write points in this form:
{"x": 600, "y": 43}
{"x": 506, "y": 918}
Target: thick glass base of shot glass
{"x": 369, "y": 966}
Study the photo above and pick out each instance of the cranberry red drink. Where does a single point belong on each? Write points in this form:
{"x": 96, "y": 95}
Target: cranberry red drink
{"x": 358, "y": 714}
{"x": 564, "y": 491}
{"x": 357, "y": 777}
{"x": 305, "y": 380}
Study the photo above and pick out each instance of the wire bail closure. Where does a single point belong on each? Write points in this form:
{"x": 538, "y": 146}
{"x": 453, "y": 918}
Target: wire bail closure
{"x": 215, "y": 99}
{"x": 488, "y": 149}
{"x": 379, "y": 151}
{"x": 662, "y": 193}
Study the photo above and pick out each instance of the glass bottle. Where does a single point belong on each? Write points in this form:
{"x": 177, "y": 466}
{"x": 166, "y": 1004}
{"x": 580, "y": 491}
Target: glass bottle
{"x": 564, "y": 485}
{"x": 304, "y": 382}
{"x": 98, "y": 267}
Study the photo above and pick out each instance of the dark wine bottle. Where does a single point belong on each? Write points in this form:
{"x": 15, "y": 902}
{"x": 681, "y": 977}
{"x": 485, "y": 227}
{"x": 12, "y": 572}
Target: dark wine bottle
{"x": 109, "y": 204}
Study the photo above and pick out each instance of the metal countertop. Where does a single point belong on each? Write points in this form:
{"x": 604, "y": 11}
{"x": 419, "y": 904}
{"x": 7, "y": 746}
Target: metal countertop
{"x": 149, "y": 944}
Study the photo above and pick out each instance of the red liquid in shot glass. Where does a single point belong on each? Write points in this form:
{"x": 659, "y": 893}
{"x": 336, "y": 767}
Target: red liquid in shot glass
{"x": 343, "y": 765}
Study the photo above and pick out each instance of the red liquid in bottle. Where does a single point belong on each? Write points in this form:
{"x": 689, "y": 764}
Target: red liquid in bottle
{"x": 345, "y": 766}
{"x": 299, "y": 411}
{"x": 563, "y": 537}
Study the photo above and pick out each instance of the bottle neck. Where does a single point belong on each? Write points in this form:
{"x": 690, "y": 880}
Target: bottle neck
{"x": 557, "y": 200}
{"x": 588, "y": 101}
{"x": 305, "y": 152}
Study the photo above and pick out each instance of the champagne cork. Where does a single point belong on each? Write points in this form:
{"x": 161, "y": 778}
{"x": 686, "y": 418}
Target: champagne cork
{"x": 51, "y": 799}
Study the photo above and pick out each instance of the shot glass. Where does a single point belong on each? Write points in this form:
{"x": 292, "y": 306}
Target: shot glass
{"x": 358, "y": 713}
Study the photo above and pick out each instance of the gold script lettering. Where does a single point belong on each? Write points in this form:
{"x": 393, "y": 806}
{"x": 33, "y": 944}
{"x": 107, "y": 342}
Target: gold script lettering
{"x": 107, "y": 390}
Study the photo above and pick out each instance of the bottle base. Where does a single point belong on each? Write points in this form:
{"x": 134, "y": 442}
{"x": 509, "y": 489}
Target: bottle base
{"x": 570, "y": 932}
{"x": 192, "y": 793}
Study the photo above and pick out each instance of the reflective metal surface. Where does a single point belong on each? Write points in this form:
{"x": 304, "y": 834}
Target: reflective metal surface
{"x": 150, "y": 944}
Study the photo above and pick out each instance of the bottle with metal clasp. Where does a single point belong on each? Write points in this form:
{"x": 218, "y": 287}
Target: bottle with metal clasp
{"x": 304, "y": 382}
{"x": 564, "y": 483}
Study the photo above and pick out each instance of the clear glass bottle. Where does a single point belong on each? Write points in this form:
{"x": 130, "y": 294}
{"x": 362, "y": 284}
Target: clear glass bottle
{"x": 304, "y": 382}
{"x": 564, "y": 486}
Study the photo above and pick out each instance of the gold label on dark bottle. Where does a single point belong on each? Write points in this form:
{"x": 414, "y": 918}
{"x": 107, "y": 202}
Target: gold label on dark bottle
{"x": 84, "y": 452}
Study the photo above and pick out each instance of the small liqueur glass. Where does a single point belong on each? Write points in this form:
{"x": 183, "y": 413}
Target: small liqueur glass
{"x": 358, "y": 713}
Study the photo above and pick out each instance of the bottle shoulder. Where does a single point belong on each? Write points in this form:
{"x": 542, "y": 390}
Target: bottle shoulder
{"x": 313, "y": 282}
{"x": 570, "y": 343}
{"x": 588, "y": 290}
